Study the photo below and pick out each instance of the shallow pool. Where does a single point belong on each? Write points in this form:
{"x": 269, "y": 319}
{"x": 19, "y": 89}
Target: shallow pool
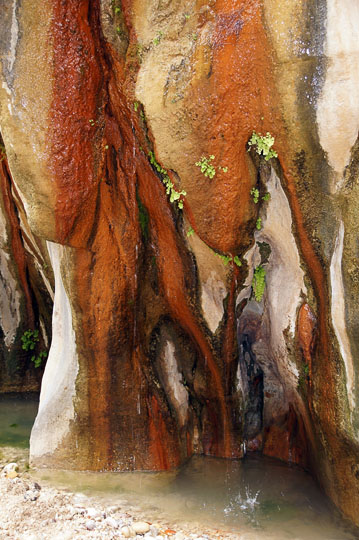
{"x": 257, "y": 497}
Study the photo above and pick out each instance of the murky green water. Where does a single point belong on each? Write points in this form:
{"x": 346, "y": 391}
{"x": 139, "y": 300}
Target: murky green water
{"x": 17, "y": 415}
{"x": 258, "y": 498}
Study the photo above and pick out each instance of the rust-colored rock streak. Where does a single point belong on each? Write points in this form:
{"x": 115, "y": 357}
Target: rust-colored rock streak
{"x": 98, "y": 165}
{"x": 17, "y": 246}
{"x": 75, "y": 114}
{"x": 306, "y": 335}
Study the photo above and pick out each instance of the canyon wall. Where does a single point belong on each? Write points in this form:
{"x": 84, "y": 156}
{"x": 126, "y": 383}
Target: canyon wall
{"x": 204, "y": 296}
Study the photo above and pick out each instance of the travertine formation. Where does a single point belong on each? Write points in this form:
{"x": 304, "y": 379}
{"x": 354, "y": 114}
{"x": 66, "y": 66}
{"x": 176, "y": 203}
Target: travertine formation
{"x": 159, "y": 348}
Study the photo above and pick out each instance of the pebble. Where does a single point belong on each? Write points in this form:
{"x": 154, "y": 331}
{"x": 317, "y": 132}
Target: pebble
{"x": 127, "y": 532}
{"x": 31, "y": 495}
{"x": 10, "y": 468}
{"x": 93, "y": 513}
{"x": 140, "y": 527}
{"x": 112, "y": 522}
{"x": 90, "y": 524}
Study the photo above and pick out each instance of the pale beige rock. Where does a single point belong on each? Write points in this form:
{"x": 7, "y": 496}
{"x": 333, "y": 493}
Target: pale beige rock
{"x": 127, "y": 532}
{"x": 140, "y": 527}
{"x": 24, "y": 108}
{"x": 338, "y": 313}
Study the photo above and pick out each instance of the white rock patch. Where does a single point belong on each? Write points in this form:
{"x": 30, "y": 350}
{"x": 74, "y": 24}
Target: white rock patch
{"x": 338, "y": 313}
{"x": 56, "y": 409}
{"x": 338, "y": 107}
{"x": 175, "y": 390}
{"x": 213, "y": 294}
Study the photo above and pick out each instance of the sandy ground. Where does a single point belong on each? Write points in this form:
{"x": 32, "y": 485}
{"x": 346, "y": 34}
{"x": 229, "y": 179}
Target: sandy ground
{"x": 30, "y": 511}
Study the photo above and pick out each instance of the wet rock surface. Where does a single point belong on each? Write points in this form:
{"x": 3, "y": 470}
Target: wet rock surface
{"x": 156, "y": 264}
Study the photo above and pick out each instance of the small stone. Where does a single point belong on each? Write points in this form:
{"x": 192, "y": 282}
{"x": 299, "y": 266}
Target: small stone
{"x": 141, "y": 527}
{"x": 11, "y": 475}
{"x": 93, "y": 513}
{"x": 154, "y": 530}
{"x": 37, "y": 486}
{"x": 31, "y": 495}
{"x": 127, "y": 532}
{"x": 8, "y": 468}
{"x": 112, "y": 522}
{"x": 90, "y": 524}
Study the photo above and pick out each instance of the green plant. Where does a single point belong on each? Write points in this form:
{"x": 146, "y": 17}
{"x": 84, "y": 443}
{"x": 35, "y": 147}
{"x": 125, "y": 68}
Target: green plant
{"x": 115, "y": 7}
{"x": 194, "y": 36}
{"x": 158, "y": 38}
{"x": 225, "y": 258}
{"x": 170, "y": 188}
{"x": 255, "y": 195}
{"x": 135, "y": 106}
{"x": 259, "y": 224}
{"x": 266, "y": 197}
{"x": 228, "y": 258}
{"x": 29, "y": 339}
{"x": 186, "y": 16}
{"x": 39, "y": 358}
{"x": 258, "y": 282}
{"x": 92, "y": 122}
{"x": 190, "y": 232}
{"x": 207, "y": 167}
{"x": 263, "y": 144}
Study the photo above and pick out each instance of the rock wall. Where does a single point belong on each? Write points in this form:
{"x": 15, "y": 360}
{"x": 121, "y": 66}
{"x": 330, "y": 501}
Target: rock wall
{"x": 160, "y": 347}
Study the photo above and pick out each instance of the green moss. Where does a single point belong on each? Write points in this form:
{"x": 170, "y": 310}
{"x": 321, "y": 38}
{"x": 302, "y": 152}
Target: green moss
{"x": 143, "y": 218}
{"x": 259, "y": 282}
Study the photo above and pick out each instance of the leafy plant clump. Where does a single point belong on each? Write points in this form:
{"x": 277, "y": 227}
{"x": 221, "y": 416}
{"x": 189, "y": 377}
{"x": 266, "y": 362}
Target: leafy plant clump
{"x": 263, "y": 144}
{"x": 170, "y": 189}
{"x": 255, "y": 195}
{"x": 259, "y": 224}
{"x": 258, "y": 282}
{"x": 207, "y": 167}
{"x": 39, "y": 358}
{"x": 29, "y": 339}
{"x": 228, "y": 258}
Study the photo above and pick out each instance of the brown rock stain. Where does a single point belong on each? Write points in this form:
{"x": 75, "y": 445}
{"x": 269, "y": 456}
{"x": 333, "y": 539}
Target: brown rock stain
{"x": 306, "y": 335}
{"x": 75, "y": 117}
